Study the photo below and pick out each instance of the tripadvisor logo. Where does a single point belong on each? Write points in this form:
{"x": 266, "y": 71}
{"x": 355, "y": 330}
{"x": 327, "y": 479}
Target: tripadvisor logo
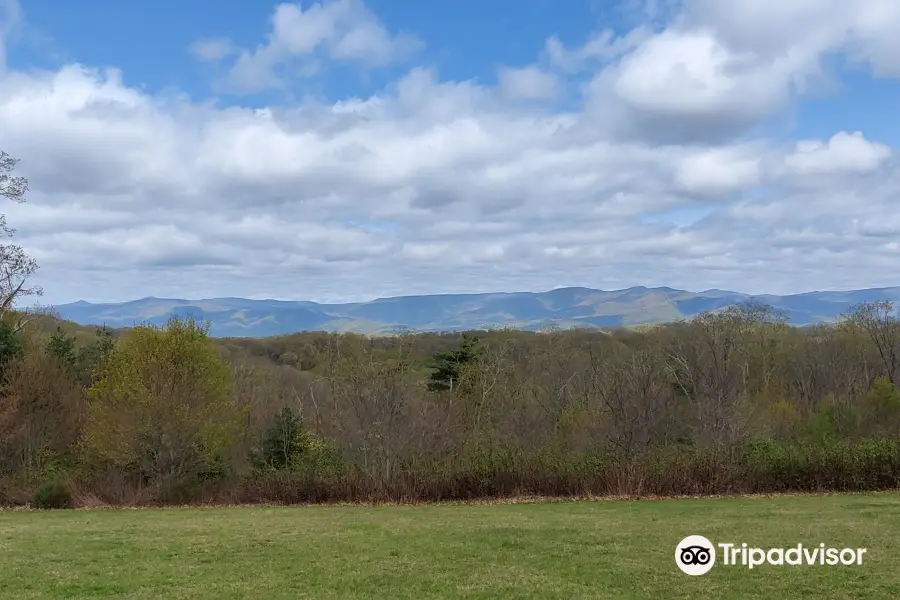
{"x": 696, "y": 555}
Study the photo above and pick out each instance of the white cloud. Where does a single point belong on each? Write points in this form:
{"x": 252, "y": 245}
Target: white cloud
{"x": 844, "y": 152}
{"x": 434, "y": 186}
{"x": 602, "y": 46}
{"x": 687, "y": 85}
{"x": 691, "y": 73}
{"x": 338, "y": 29}
{"x": 529, "y": 83}
{"x": 718, "y": 171}
{"x": 720, "y": 68}
{"x": 807, "y": 29}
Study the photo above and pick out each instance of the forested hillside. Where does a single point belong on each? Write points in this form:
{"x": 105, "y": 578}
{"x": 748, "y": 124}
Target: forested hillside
{"x": 729, "y": 401}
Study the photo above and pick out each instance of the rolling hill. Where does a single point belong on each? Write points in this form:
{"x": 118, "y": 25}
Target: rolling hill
{"x": 563, "y": 307}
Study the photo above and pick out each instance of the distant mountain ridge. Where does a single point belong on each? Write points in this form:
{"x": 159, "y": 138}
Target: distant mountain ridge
{"x": 534, "y": 311}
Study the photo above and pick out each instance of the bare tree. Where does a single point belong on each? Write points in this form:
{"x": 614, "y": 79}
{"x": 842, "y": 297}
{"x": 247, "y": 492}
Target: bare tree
{"x": 825, "y": 363}
{"x": 42, "y": 412}
{"x": 710, "y": 366}
{"x": 15, "y": 266}
{"x": 379, "y": 419}
{"x": 630, "y": 386}
{"x": 882, "y": 327}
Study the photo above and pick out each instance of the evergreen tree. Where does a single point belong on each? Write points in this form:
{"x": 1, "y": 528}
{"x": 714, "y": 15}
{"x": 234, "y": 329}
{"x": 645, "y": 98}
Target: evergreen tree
{"x": 450, "y": 364}
{"x": 283, "y": 442}
{"x": 10, "y": 345}
{"x": 62, "y": 347}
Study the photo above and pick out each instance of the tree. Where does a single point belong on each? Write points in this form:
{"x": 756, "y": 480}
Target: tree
{"x": 15, "y": 266}
{"x": 11, "y": 345}
{"x": 41, "y": 412}
{"x": 283, "y": 441}
{"x": 877, "y": 321}
{"x": 164, "y": 403}
{"x": 62, "y": 348}
{"x": 709, "y": 364}
{"x": 450, "y": 364}
{"x": 629, "y": 385}
{"x": 90, "y": 360}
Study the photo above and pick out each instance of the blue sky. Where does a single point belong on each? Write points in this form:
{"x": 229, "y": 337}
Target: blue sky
{"x": 149, "y": 40}
{"x": 385, "y": 147}
{"x": 464, "y": 39}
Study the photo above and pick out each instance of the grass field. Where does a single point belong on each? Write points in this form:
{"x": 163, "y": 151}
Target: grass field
{"x": 601, "y": 549}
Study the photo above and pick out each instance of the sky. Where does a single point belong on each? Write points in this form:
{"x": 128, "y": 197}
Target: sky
{"x": 343, "y": 150}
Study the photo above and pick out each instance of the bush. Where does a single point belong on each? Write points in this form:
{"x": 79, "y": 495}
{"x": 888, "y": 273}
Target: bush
{"x": 317, "y": 456}
{"x": 53, "y": 494}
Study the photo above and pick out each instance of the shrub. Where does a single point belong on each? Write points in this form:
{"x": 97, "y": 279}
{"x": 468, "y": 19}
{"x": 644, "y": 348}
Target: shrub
{"x": 317, "y": 456}
{"x": 53, "y": 494}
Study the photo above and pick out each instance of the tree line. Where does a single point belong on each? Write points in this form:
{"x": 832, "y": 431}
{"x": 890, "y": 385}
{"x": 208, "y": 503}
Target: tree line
{"x": 735, "y": 400}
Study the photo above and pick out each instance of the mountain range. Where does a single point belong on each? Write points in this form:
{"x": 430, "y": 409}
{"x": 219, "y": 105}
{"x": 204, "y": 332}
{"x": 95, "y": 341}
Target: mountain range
{"x": 534, "y": 311}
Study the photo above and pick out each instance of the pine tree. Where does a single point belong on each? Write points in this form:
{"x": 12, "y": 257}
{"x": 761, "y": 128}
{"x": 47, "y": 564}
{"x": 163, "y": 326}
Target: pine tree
{"x": 450, "y": 364}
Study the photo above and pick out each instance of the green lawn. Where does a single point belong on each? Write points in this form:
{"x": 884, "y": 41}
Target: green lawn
{"x": 603, "y": 549}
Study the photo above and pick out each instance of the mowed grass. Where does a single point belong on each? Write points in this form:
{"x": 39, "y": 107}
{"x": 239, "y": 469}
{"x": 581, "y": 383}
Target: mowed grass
{"x": 600, "y": 549}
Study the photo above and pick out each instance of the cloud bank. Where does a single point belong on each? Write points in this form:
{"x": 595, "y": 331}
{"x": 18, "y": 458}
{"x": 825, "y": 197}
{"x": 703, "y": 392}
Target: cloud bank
{"x": 654, "y": 174}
